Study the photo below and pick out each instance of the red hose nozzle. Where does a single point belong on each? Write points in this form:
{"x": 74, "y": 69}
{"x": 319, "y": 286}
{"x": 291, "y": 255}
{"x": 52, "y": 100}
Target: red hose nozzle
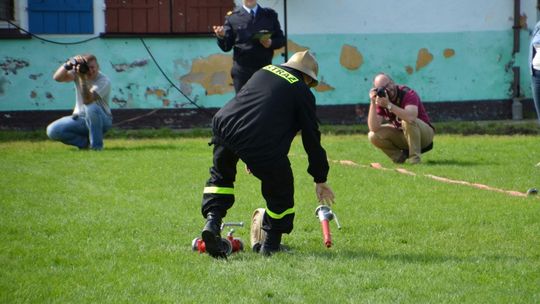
{"x": 325, "y": 215}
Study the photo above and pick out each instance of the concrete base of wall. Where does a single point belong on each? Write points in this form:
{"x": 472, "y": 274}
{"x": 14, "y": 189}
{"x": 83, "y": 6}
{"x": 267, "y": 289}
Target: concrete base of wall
{"x": 335, "y": 114}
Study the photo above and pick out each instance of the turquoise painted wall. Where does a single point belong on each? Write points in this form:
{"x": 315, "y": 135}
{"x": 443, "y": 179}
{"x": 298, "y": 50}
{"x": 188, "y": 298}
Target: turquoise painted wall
{"x": 479, "y": 70}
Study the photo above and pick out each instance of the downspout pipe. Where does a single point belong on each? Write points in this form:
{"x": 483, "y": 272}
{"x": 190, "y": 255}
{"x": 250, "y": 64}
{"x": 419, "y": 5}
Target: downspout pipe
{"x": 286, "y": 51}
{"x": 517, "y": 106}
{"x": 517, "y": 25}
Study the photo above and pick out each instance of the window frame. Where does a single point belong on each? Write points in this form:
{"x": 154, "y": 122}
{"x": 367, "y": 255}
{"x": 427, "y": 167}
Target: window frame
{"x": 20, "y": 18}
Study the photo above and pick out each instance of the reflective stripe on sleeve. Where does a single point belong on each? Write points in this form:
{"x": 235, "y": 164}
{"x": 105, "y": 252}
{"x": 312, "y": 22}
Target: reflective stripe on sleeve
{"x": 219, "y": 190}
{"x": 281, "y": 215}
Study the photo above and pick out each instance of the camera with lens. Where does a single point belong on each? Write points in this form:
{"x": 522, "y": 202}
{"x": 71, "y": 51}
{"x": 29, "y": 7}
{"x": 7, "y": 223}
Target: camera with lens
{"x": 381, "y": 92}
{"x": 83, "y": 66}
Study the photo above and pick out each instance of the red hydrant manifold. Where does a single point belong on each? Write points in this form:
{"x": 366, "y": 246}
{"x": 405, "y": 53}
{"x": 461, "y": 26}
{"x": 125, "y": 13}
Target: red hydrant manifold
{"x": 230, "y": 243}
{"x": 325, "y": 215}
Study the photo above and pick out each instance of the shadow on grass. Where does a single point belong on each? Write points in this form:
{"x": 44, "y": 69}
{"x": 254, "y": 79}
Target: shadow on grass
{"x": 401, "y": 257}
{"x": 144, "y": 148}
{"x": 413, "y": 258}
{"x": 455, "y": 162}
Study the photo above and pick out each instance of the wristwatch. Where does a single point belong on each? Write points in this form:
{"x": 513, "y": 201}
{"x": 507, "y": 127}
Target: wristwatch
{"x": 389, "y": 106}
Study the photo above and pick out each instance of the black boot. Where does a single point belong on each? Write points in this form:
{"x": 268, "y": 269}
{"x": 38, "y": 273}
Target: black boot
{"x": 212, "y": 237}
{"x": 271, "y": 244}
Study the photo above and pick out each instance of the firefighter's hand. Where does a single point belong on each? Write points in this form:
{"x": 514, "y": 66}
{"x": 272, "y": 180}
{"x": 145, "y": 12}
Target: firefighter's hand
{"x": 325, "y": 194}
{"x": 219, "y": 31}
{"x": 248, "y": 171}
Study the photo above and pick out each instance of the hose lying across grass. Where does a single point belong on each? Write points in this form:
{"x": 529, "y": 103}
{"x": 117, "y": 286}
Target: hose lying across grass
{"x": 378, "y": 166}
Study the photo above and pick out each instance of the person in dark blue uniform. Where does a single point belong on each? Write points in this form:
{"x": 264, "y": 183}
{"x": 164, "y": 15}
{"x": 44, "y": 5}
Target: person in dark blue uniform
{"x": 258, "y": 126}
{"x": 253, "y": 32}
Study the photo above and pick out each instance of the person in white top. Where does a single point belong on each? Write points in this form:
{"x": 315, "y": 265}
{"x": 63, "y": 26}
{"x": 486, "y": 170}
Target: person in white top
{"x": 534, "y": 67}
{"x": 91, "y": 116}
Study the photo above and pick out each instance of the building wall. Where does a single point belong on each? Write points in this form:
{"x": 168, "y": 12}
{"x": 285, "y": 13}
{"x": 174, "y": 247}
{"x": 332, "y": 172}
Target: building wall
{"x": 448, "y": 51}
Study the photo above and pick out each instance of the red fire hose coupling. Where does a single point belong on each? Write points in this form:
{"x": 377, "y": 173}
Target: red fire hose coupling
{"x": 325, "y": 215}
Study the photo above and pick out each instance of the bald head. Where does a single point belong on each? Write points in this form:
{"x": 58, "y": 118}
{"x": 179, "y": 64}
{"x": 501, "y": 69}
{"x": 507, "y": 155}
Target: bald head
{"x": 382, "y": 80}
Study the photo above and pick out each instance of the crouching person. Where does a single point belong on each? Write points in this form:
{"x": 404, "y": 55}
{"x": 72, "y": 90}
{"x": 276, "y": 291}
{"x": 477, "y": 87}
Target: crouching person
{"x": 258, "y": 126}
{"x": 409, "y": 132}
{"x": 91, "y": 116}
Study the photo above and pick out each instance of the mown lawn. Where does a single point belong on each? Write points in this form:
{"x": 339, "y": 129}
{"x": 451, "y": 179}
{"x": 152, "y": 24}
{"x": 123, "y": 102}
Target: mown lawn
{"x": 116, "y": 226}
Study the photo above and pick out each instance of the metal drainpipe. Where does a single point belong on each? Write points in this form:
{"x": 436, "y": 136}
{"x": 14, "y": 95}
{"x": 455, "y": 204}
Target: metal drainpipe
{"x": 517, "y": 25}
{"x": 286, "y": 52}
{"x": 517, "y": 107}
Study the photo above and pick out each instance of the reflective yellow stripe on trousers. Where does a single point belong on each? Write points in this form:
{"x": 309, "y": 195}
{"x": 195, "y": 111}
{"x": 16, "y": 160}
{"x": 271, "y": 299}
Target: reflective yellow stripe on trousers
{"x": 219, "y": 190}
{"x": 281, "y": 215}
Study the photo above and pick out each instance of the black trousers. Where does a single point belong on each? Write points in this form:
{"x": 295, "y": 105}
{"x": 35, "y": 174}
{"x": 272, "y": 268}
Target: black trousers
{"x": 277, "y": 187}
{"x": 240, "y": 75}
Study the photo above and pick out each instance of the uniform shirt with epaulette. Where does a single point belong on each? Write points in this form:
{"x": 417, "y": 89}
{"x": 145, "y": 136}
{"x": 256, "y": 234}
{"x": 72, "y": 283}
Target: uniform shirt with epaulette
{"x": 241, "y": 35}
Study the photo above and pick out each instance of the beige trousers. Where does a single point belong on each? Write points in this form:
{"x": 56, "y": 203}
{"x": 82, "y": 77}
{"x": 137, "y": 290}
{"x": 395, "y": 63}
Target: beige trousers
{"x": 414, "y": 136}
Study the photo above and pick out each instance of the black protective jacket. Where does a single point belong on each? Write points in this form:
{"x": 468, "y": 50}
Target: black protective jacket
{"x": 241, "y": 34}
{"x": 260, "y": 123}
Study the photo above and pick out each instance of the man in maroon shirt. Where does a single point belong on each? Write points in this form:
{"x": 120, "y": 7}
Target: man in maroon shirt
{"x": 408, "y": 132}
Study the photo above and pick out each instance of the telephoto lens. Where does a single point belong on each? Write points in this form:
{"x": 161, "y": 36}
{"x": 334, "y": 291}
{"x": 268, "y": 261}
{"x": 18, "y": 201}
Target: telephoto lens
{"x": 83, "y": 66}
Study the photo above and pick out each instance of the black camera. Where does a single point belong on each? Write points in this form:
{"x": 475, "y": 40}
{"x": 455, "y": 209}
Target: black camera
{"x": 83, "y": 66}
{"x": 381, "y": 92}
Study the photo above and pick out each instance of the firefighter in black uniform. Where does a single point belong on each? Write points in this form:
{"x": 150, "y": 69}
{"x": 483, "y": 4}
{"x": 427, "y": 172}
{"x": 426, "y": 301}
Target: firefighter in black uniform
{"x": 254, "y": 33}
{"x": 258, "y": 127}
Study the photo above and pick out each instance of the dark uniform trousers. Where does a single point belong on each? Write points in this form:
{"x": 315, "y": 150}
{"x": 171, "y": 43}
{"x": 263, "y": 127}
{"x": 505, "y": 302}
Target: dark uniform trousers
{"x": 277, "y": 187}
{"x": 241, "y": 74}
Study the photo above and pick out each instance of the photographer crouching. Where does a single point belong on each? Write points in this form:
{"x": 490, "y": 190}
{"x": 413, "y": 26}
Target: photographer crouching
{"x": 92, "y": 116}
{"x": 409, "y": 132}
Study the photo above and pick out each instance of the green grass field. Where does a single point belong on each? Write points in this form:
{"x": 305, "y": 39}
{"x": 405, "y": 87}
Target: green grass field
{"x": 116, "y": 226}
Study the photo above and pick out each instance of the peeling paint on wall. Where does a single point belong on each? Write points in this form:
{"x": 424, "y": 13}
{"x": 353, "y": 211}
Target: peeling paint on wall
{"x": 158, "y": 92}
{"x": 523, "y": 21}
{"x": 120, "y": 102}
{"x": 35, "y": 76}
{"x": 447, "y": 53}
{"x": 3, "y": 82}
{"x": 33, "y": 94}
{"x": 350, "y": 57}
{"x": 212, "y": 72}
{"x": 409, "y": 69}
{"x": 122, "y": 67}
{"x": 292, "y": 48}
{"x": 323, "y": 86}
{"x": 424, "y": 58}
{"x": 11, "y": 65}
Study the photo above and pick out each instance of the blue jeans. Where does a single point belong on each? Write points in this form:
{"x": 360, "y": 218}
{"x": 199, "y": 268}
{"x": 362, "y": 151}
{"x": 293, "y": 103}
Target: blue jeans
{"x": 535, "y": 85}
{"x": 83, "y": 131}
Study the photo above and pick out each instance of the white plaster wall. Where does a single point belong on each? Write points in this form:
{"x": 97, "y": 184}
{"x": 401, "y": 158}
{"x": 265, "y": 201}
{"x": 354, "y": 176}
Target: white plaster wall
{"x": 398, "y": 16}
{"x": 528, "y": 7}
{"x": 99, "y": 16}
